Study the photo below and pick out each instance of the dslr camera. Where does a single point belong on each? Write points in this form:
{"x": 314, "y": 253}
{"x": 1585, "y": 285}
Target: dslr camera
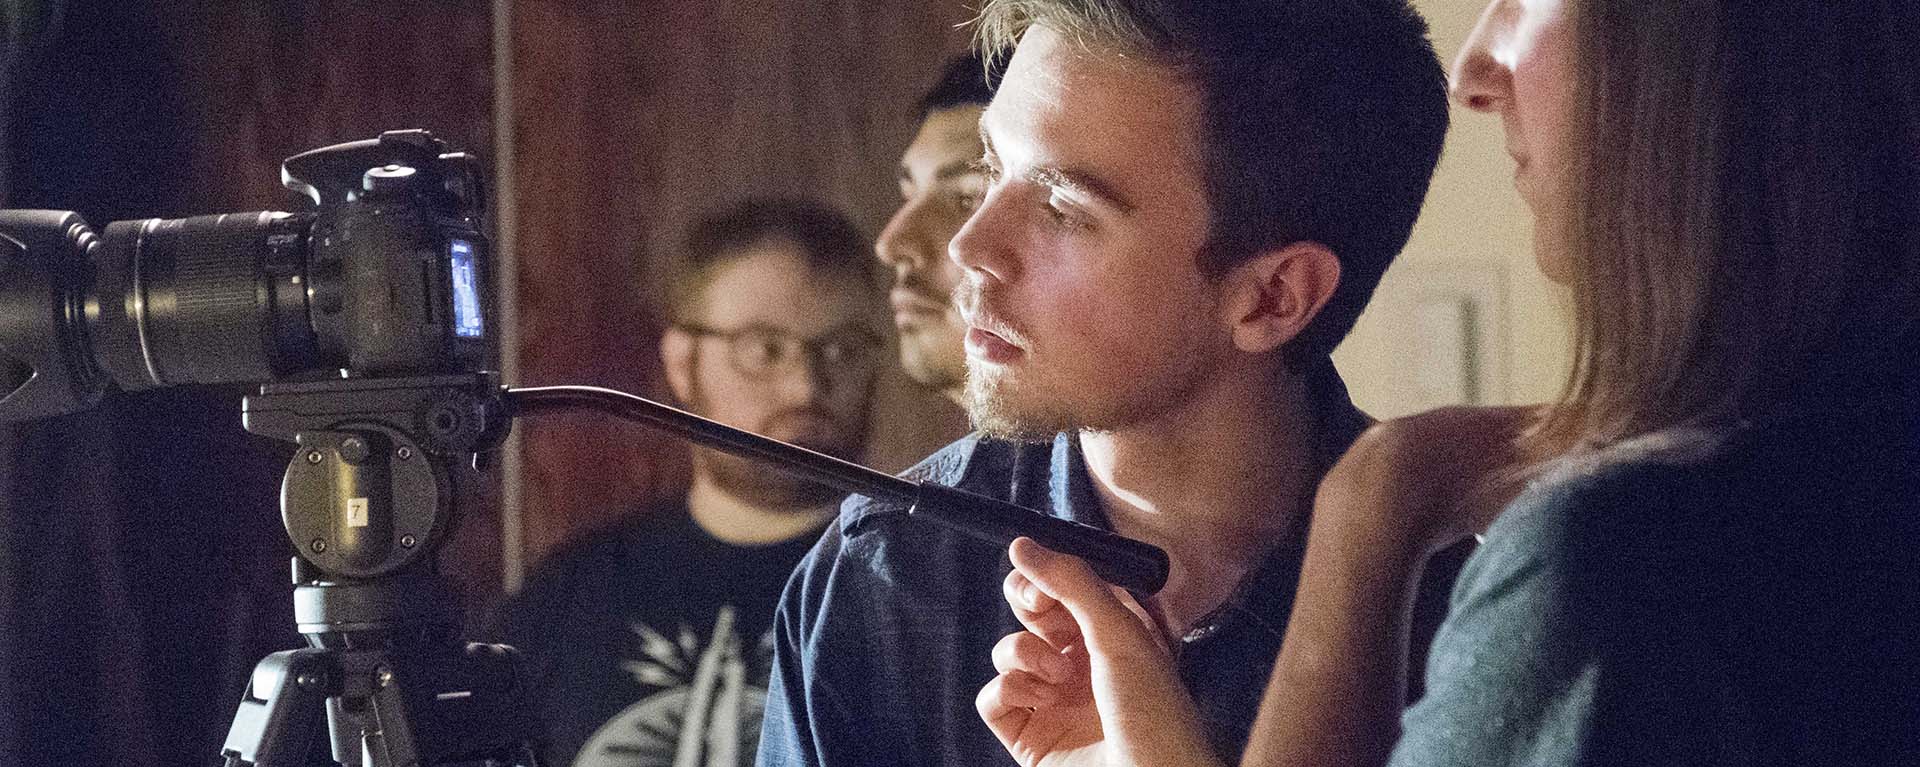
{"x": 385, "y": 277}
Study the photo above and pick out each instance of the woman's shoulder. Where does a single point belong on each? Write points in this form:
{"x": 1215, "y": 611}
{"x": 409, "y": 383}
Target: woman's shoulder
{"x": 1605, "y": 495}
{"x": 1702, "y": 488}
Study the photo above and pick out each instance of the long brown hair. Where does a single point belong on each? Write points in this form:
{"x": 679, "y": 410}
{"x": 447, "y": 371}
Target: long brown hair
{"x": 1744, "y": 235}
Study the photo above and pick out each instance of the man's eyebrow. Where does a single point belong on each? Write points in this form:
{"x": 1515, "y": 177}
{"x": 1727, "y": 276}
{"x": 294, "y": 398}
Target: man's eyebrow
{"x": 1072, "y": 179}
{"x": 958, "y": 169}
{"x": 1082, "y": 182}
{"x": 947, "y": 172}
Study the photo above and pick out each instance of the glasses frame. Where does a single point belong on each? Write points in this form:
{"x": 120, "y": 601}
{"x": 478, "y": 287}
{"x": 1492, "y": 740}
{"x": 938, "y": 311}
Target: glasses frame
{"x": 793, "y": 349}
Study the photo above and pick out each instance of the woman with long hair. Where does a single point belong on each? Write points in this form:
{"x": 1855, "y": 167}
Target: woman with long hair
{"x": 1708, "y": 550}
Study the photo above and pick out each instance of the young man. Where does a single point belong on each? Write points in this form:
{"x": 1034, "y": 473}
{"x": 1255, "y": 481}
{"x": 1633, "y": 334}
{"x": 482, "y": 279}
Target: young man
{"x": 1189, "y": 205}
{"x": 649, "y": 642}
{"x": 941, "y": 182}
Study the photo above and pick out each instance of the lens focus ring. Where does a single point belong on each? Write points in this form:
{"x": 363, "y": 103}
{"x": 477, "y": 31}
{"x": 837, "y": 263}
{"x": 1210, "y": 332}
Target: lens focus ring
{"x": 187, "y": 300}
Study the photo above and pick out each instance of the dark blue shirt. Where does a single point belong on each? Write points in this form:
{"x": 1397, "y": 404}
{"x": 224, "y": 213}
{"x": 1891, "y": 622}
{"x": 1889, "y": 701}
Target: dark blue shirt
{"x": 884, "y": 635}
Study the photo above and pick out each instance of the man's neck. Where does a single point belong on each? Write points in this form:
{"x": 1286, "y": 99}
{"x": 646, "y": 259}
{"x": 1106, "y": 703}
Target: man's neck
{"x": 730, "y": 519}
{"x": 1218, "y": 481}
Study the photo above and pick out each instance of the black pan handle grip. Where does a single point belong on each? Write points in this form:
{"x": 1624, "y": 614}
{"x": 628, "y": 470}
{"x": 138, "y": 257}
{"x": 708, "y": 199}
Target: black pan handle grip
{"x": 1124, "y": 562}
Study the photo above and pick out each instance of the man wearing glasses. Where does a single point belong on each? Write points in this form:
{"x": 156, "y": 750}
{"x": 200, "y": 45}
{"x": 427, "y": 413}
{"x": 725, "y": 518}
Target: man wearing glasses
{"x": 649, "y": 642}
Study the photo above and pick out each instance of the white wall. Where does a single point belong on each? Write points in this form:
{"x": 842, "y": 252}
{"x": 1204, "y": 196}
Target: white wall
{"x": 1473, "y": 243}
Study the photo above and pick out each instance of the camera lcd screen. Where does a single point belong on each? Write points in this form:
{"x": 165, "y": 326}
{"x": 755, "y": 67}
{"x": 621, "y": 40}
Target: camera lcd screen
{"x": 467, "y": 322}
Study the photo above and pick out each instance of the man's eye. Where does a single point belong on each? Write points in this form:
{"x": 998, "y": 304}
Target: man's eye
{"x": 986, "y": 169}
{"x": 853, "y": 348}
{"x": 835, "y": 353}
{"x": 968, "y": 201}
{"x": 759, "y": 349}
{"x": 1062, "y": 215}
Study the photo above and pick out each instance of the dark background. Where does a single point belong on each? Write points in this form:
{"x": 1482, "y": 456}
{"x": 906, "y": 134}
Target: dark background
{"x": 143, "y": 569}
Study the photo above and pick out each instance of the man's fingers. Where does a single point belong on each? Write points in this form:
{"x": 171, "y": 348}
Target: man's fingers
{"x": 1027, "y": 652}
{"x": 1069, "y": 580}
{"x": 1039, "y": 613}
{"x": 1024, "y": 595}
{"x": 1007, "y": 702}
{"x": 1108, "y": 629}
{"x": 1140, "y": 613}
{"x": 1006, "y": 720}
{"x": 1018, "y": 689}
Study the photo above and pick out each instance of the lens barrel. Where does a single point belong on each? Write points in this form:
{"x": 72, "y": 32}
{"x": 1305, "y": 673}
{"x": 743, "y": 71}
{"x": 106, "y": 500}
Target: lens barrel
{"x": 209, "y": 299}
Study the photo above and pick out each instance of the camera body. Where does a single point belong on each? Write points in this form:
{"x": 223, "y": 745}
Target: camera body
{"x": 387, "y": 276}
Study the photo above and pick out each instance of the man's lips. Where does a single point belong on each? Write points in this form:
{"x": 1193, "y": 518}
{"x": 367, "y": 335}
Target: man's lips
{"x": 803, "y": 427}
{"x": 988, "y": 346}
{"x": 991, "y": 340}
{"x": 908, "y": 302}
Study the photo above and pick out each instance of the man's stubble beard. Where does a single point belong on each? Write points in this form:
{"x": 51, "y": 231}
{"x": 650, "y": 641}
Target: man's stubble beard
{"x": 763, "y": 486}
{"x": 998, "y": 408}
{"x": 759, "y": 484}
{"x": 993, "y": 409}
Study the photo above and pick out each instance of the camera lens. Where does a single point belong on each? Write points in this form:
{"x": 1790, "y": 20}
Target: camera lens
{"x": 209, "y": 299}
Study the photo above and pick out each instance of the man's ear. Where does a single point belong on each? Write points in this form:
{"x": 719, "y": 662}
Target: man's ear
{"x": 1273, "y": 296}
{"x": 676, "y": 358}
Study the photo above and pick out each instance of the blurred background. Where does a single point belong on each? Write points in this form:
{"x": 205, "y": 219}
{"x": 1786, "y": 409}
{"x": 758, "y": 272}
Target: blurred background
{"x": 143, "y": 569}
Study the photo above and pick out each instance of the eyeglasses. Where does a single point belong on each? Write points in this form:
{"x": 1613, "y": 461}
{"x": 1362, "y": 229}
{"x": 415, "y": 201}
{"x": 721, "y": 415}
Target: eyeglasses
{"x": 758, "y": 351}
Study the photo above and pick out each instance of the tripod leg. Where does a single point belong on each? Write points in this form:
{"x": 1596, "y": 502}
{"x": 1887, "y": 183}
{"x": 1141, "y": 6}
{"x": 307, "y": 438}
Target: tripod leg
{"x": 281, "y": 710}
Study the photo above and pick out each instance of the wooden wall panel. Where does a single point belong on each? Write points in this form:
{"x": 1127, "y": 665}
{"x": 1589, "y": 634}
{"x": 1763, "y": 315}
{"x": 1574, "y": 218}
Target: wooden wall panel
{"x": 268, "y": 80}
{"x": 630, "y": 121}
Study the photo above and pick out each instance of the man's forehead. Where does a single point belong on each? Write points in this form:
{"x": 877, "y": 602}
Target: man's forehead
{"x": 954, "y": 123}
{"x": 771, "y": 284}
{"x": 1067, "y": 104}
{"x": 948, "y": 135}
{"x": 1054, "y": 69}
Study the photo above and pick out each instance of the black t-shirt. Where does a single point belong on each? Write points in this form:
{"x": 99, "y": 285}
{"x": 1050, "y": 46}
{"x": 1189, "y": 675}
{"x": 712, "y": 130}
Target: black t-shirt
{"x": 651, "y": 640}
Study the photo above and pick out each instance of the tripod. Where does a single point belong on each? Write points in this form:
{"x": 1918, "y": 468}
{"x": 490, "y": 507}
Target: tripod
{"x": 367, "y": 500}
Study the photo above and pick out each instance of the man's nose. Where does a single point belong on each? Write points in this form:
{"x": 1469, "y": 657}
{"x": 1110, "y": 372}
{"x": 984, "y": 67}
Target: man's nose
{"x": 807, "y": 378}
{"x": 902, "y": 244}
{"x": 982, "y": 244}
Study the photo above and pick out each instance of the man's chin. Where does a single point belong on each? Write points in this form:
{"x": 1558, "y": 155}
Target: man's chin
{"x": 930, "y": 368}
{"x": 771, "y": 489}
{"x": 797, "y": 496}
{"x": 836, "y": 448}
{"x": 996, "y": 409}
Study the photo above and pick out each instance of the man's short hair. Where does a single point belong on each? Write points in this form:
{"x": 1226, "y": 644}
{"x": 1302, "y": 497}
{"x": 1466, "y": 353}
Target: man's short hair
{"x": 1324, "y": 120}
{"x": 968, "y": 80}
{"x": 824, "y": 238}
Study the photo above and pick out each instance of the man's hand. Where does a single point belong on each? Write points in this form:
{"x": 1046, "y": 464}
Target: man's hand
{"x": 1088, "y": 683}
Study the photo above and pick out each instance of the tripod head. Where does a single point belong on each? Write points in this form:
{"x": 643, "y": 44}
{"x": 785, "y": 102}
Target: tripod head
{"x": 366, "y": 500}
